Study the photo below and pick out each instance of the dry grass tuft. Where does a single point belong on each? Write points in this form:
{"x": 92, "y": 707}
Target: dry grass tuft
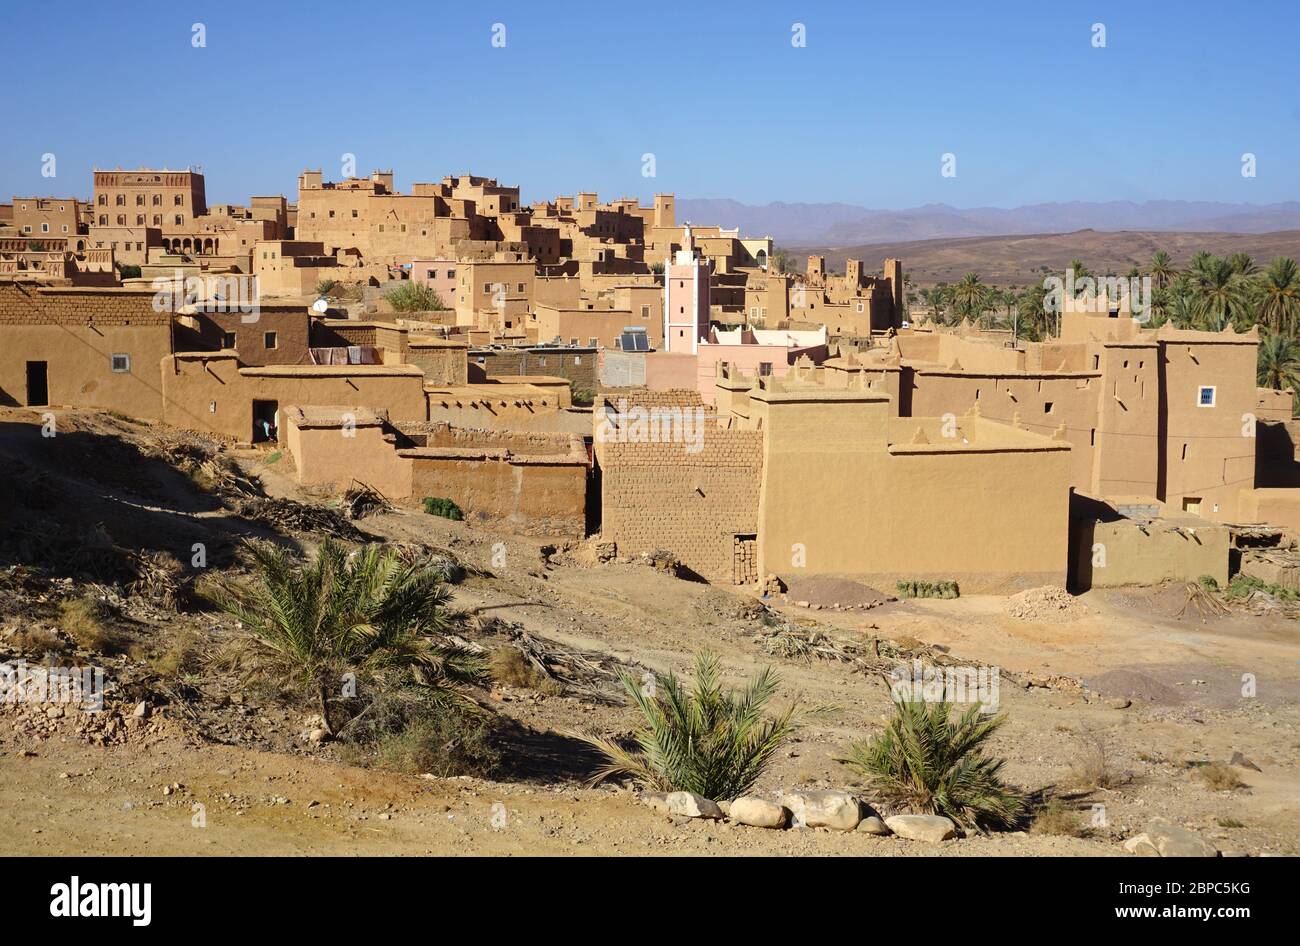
{"x": 509, "y": 666}
{"x": 1092, "y": 769}
{"x": 1057, "y": 818}
{"x": 38, "y": 642}
{"x": 86, "y": 620}
{"x": 1219, "y": 777}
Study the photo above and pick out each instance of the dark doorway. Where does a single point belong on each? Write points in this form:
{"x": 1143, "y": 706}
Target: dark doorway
{"x": 38, "y": 383}
{"x": 264, "y": 421}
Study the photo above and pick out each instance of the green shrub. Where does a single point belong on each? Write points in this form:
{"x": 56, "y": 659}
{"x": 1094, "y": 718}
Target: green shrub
{"x": 414, "y": 297}
{"x": 582, "y": 395}
{"x": 927, "y": 589}
{"x": 437, "y": 506}
{"x": 928, "y": 763}
{"x": 1242, "y": 586}
{"x": 325, "y": 287}
{"x": 702, "y": 740}
{"x": 1209, "y": 582}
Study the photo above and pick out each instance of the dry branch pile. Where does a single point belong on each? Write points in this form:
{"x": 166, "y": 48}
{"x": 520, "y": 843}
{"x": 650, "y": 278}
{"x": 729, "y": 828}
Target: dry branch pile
{"x": 287, "y": 515}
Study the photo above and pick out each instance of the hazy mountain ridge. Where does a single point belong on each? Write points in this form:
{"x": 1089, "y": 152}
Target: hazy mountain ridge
{"x": 796, "y": 224}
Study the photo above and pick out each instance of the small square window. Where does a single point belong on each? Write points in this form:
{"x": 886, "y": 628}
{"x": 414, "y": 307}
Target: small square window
{"x": 228, "y": 340}
{"x": 121, "y": 363}
{"x": 269, "y": 340}
{"x": 1047, "y": 407}
{"x": 1205, "y": 397}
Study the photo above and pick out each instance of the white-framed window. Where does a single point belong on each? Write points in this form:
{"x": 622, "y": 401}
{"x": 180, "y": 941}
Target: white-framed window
{"x": 1205, "y": 395}
{"x": 121, "y": 362}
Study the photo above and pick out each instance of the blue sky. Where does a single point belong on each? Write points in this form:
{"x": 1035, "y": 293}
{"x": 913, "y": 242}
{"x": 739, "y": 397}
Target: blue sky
{"x": 715, "y": 90}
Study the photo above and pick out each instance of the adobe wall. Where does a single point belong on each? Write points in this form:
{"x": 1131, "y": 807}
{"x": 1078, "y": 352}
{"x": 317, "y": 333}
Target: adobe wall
{"x": 289, "y": 323}
{"x": 76, "y": 332}
{"x": 578, "y": 366}
{"x": 991, "y": 514}
{"x": 660, "y": 496}
{"x": 1162, "y": 550}
{"x": 210, "y": 392}
{"x": 326, "y": 457}
{"x": 441, "y": 361}
{"x": 531, "y": 494}
{"x": 1210, "y": 451}
{"x": 1277, "y": 507}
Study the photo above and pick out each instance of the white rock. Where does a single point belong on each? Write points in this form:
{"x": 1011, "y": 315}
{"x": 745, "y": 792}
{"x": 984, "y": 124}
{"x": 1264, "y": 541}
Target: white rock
{"x": 690, "y": 805}
{"x": 930, "y": 828}
{"x": 873, "y": 825}
{"x": 1141, "y": 845}
{"x": 1171, "y": 840}
{"x": 824, "y": 809}
{"x": 759, "y": 812}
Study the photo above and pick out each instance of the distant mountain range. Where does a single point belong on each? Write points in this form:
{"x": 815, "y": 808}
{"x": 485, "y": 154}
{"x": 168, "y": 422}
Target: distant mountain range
{"x": 845, "y": 224}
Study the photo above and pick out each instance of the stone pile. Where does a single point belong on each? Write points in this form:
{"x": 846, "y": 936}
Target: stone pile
{"x": 828, "y": 809}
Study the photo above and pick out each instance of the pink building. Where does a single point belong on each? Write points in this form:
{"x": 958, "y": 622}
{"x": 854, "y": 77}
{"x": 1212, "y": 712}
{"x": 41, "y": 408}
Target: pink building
{"x": 686, "y": 299}
{"x": 439, "y": 275}
{"x": 759, "y": 352}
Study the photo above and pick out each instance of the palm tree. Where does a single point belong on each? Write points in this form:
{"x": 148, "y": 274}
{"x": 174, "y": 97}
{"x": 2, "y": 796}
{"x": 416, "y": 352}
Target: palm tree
{"x": 1221, "y": 290}
{"x": 1279, "y": 363}
{"x": 1162, "y": 269}
{"x": 1242, "y": 264}
{"x": 1279, "y": 289}
{"x": 1198, "y": 260}
{"x": 367, "y": 614}
{"x": 1185, "y": 310}
{"x": 969, "y": 296}
{"x": 1032, "y": 308}
{"x": 706, "y": 741}
{"x": 933, "y": 298}
{"x": 930, "y": 763}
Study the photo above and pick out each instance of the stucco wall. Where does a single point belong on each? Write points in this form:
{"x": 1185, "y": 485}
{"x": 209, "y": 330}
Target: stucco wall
{"x": 1110, "y": 554}
{"x": 992, "y": 515}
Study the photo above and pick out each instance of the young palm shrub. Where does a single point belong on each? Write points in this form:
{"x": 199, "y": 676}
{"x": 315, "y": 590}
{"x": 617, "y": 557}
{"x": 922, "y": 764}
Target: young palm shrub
{"x": 927, "y": 762}
{"x": 368, "y": 614}
{"x": 701, "y": 740}
{"x": 414, "y": 297}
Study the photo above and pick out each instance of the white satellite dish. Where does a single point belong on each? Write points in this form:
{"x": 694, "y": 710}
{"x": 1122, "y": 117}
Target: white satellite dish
{"x": 320, "y": 305}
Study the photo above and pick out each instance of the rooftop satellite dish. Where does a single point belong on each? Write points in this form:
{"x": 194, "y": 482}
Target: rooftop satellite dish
{"x": 320, "y": 305}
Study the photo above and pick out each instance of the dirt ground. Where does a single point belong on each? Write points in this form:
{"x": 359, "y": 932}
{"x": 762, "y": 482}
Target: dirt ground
{"x": 1187, "y": 683}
